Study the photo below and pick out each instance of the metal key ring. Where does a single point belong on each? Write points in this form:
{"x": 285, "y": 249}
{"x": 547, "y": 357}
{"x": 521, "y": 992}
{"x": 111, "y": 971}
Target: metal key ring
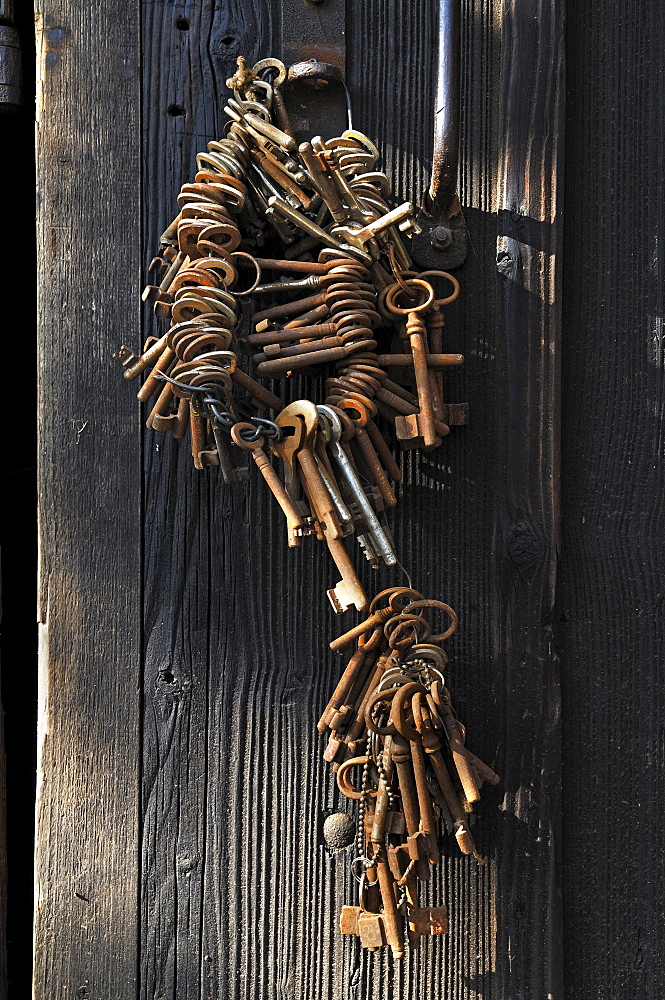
{"x": 344, "y": 783}
{"x": 451, "y": 277}
{"x": 444, "y": 607}
{"x": 276, "y": 64}
{"x": 395, "y": 290}
{"x": 396, "y": 677}
{"x": 377, "y": 697}
{"x": 247, "y": 436}
{"x": 269, "y": 428}
{"x": 360, "y": 860}
{"x": 248, "y": 291}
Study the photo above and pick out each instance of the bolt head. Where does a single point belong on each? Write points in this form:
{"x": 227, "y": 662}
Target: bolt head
{"x": 441, "y": 237}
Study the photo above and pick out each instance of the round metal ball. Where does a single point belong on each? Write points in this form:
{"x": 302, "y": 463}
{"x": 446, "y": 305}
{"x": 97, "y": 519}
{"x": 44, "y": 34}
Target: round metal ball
{"x": 339, "y": 829}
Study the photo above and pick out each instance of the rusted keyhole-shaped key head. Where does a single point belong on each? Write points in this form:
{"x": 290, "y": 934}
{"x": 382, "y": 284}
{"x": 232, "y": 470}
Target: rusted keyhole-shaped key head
{"x": 291, "y": 443}
{"x": 302, "y": 416}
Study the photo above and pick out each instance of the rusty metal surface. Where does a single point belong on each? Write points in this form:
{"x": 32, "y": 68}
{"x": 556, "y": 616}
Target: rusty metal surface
{"x": 443, "y": 242}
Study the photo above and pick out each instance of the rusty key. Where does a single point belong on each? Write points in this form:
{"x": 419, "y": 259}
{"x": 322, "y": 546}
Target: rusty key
{"x": 294, "y": 523}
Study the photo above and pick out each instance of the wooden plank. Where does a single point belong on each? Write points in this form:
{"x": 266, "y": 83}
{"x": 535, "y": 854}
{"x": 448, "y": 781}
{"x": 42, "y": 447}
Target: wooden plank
{"x": 529, "y": 264}
{"x": 188, "y": 52}
{"x": 3, "y": 860}
{"x": 610, "y": 607}
{"x": 240, "y": 895}
{"x": 86, "y": 930}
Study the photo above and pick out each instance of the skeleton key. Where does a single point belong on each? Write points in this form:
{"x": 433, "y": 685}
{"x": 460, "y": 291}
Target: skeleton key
{"x": 417, "y": 336}
{"x": 462, "y": 757}
{"x": 354, "y": 669}
{"x": 432, "y": 746}
{"x": 303, "y": 418}
{"x": 286, "y": 450}
{"x": 392, "y": 922}
{"x": 358, "y": 410}
{"x": 322, "y": 440}
{"x": 308, "y": 356}
{"x": 402, "y": 700}
{"x": 379, "y": 536}
{"x": 294, "y": 523}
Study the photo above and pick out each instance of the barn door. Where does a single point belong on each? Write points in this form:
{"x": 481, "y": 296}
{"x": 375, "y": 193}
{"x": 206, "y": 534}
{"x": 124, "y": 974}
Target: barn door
{"x": 184, "y": 650}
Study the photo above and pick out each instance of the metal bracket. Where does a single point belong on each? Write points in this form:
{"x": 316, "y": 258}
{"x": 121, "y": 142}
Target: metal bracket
{"x": 443, "y": 243}
{"x": 313, "y": 46}
{"x": 317, "y": 101}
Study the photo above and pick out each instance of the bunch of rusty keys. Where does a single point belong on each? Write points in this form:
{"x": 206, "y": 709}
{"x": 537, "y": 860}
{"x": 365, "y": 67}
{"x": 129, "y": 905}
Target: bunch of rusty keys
{"x": 392, "y": 696}
{"x": 334, "y": 504}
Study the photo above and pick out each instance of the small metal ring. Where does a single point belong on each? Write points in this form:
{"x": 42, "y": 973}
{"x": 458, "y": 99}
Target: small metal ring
{"x": 248, "y": 291}
{"x": 362, "y": 860}
{"x": 269, "y": 428}
{"x": 270, "y": 63}
{"x": 246, "y": 436}
{"x": 395, "y": 290}
{"x": 454, "y": 621}
{"x": 443, "y": 274}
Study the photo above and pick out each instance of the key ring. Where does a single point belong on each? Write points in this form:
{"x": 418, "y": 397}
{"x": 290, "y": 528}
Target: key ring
{"x": 344, "y": 782}
{"x": 451, "y": 277}
{"x": 396, "y": 289}
{"x": 361, "y": 859}
{"x": 454, "y": 620}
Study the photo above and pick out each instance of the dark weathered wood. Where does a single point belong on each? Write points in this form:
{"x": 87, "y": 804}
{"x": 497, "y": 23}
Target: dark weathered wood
{"x": 240, "y": 896}
{"x": 3, "y": 861}
{"x": 529, "y": 263}
{"x": 610, "y": 608}
{"x": 89, "y": 488}
{"x": 188, "y": 53}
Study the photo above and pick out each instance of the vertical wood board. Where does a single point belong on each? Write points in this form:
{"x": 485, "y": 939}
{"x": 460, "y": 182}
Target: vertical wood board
{"x": 610, "y": 602}
{"x": 529, "y": 265}
{"x": 237, "y": 627}
{"x": 86, "y": 923}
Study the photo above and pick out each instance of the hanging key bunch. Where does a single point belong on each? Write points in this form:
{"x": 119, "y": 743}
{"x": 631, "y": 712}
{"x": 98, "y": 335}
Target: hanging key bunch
{"x": 307, "y": 236}
{"x": 394, "y": 727}
{"x": 344, "y": 298}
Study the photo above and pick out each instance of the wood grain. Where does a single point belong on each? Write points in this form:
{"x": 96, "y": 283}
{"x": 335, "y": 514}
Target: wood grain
{"x": 191, "y": 50}
{"x": 610, "y": 602}
{"x": 3, "y": 861}
{"x": 529, "y": 265}
{"x": 236, "y": 626}
{"x": 239, "y": 896}
{"x": 86, "y": 930}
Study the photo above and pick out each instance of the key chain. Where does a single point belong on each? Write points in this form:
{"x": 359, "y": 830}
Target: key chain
{"x": 346, "y": 301}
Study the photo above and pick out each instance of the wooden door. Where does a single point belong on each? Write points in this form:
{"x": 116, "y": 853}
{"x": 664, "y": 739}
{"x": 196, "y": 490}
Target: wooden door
{"x": 184, "y": 650}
